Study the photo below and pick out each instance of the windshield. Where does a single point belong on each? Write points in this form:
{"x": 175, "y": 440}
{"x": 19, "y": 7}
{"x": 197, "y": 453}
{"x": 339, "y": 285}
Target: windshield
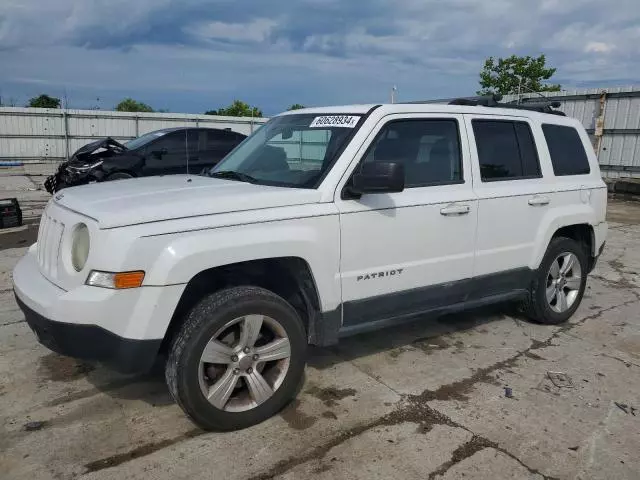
{"x": 290, "y": 151}
{"x": 144, "y": 139}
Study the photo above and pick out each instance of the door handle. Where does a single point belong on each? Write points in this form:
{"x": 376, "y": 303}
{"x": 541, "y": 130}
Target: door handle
{"x": 453, "y": 209}
{"x": 538, "y": 201}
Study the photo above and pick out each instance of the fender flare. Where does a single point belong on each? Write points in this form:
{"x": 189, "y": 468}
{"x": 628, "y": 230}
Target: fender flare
{"x": 553, "y": 221}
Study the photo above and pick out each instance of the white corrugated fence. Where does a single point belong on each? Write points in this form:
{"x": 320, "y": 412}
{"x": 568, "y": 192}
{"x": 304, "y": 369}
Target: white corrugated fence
{"x": 612, "y": 118}
{"x": 41, "y": 134}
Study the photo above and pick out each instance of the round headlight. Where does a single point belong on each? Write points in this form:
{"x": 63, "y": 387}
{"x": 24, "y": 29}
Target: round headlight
{"x": 80, "y": 246}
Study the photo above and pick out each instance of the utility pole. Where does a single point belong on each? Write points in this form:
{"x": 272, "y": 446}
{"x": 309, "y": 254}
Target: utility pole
{"x": 394, "y": 89}
{"x": 519, "y": 90}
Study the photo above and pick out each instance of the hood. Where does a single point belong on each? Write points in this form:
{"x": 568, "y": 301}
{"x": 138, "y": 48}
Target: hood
{"x": 94, "y": 152}
{"x": 152, "y": 199}
{"x": 106, "y": 143}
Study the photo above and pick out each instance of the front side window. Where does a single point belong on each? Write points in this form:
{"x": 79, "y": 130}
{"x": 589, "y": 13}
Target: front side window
{"x": 173, "y": 143}
{"x": 429, "y": 150}
{"x": 291, "y": 150}
{"x": 568, "y": 156}
{"x": 506, "y": 150}
{"x": 144, "y": 139}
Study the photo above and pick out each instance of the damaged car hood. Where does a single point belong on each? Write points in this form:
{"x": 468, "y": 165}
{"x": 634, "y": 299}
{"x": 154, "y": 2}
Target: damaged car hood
{"x": 107, "y": 143}
{"x": 153, "y": 199}
{"x": 79, "y": 167}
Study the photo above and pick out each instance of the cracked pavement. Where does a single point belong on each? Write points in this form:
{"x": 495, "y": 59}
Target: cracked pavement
{"x": 425, "y": 400}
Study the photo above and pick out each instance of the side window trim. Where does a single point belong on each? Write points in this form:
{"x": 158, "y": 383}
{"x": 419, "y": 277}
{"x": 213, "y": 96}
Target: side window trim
{"x": 383, "y": 131}
{"x": 512, "y": 121}
{"x": 534, "y": 146}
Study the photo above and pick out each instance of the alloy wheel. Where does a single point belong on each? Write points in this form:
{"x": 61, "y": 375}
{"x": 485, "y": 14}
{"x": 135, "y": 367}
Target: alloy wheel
{"x": 244, "y": 363}
{"x": 563, "y": 282}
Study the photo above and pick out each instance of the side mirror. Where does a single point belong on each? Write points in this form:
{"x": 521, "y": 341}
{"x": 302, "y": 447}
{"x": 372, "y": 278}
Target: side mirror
{"x": 379, "y": 177}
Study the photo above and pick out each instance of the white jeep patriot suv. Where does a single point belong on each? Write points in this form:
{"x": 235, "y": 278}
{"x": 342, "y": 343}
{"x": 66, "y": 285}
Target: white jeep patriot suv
{"x": 324, "y": 223}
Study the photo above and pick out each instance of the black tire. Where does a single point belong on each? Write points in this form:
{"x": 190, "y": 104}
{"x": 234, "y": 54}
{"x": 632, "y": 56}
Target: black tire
{"x": 200, "y": 324}
{"x": 119, "y": 176}
{"x": 536, "y": 307}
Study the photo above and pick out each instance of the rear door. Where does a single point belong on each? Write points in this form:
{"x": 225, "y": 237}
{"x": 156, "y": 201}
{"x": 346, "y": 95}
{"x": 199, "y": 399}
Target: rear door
{"x": 512, "y": 196}
{"x": 214, "y": 145}
{"x": 193, "y": 150}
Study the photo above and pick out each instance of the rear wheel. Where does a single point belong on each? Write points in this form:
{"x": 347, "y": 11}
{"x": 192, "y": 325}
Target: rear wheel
{"x": 238, "y": 358}
{"x": 560, "y": 281}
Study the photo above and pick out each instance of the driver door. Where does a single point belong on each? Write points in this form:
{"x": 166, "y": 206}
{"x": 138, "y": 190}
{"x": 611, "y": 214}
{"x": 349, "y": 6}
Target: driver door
{"x": 413, "y": 251}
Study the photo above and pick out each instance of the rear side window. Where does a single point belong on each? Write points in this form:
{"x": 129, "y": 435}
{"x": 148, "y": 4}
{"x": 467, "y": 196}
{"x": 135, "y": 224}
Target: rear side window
{"x": 506, "y": 150}
{"x": 567, "y": 150}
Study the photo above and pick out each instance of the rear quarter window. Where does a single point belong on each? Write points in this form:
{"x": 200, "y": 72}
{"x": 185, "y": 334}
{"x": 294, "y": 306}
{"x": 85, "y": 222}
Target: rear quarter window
{"x": 568, "y": 156}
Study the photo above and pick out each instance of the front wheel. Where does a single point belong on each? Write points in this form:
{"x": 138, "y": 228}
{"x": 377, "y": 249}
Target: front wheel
{"x": 238, "y": 358}
{"x": 559, "y": 284}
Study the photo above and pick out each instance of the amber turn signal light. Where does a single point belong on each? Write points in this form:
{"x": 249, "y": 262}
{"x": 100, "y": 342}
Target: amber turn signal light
{"x": 128, "y": 279}
{"x": 119, "y": 280}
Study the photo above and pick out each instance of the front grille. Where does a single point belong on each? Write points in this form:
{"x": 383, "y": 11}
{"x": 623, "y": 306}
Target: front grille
{"x": 49, "y": 240}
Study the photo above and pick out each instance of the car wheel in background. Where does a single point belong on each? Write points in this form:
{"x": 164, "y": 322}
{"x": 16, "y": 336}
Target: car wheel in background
{"x": 119, "y": 176}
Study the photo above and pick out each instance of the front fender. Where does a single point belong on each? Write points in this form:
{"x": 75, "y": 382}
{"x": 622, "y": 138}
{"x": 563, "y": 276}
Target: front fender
{"x": 180, "y": 257}
{"x": 119, "y": 163}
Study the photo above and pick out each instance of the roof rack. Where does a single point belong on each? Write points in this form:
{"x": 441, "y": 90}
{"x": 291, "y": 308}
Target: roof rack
{"x": 493, "y": 101}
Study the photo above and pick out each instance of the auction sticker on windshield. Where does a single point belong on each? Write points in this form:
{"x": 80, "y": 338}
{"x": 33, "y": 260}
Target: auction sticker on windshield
{"x": 346, "y": 121}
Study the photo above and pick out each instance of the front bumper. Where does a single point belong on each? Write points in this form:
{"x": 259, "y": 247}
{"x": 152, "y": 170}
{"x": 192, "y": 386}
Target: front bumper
{"x": 66, "y": 177}
{"x": 123, "y": 329}
{"x": 52, "y": 183}
{"x": 90, "y": 342}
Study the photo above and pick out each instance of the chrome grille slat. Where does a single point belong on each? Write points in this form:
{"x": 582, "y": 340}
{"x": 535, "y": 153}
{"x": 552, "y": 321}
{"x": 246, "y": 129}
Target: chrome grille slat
{"x": 43, "y": 221}
{"x": 58, "y": 247}
{"x": 49, "y": 243}
{"x": 42, "y": 241}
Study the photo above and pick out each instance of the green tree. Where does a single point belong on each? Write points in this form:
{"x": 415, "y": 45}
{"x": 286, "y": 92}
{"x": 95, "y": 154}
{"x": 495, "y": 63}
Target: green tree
{"x": 237, "y": 109}
{"x": 516, "y": 74}
{"x": 296, "y": 106}
{"x": 44, "y": 101}
{"x": 131, "y": 105}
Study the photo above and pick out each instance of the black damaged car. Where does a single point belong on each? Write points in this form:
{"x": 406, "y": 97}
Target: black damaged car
{"x": 162, "y": 152}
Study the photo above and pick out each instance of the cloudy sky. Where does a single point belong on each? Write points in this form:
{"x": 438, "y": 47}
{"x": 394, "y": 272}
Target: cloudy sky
{"x": 194, "y": 55}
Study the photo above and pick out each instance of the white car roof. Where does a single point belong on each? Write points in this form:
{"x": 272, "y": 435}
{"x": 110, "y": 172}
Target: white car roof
{"x": 338, "y": 109}
{"x": 400, "y": 108}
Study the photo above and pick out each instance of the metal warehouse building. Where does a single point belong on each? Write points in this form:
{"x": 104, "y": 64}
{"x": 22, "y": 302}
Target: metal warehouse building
{"x": 612, "y": 118}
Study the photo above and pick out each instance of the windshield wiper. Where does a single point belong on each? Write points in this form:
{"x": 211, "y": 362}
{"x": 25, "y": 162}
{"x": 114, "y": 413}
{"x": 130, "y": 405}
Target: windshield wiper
{"x": 231, "y": 175}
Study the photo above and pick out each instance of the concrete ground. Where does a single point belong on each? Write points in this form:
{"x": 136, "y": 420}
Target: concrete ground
{"x": 426, "y": 400}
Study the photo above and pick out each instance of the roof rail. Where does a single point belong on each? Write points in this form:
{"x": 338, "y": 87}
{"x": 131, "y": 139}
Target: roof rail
{"x": 493, "y": 101}
{"x": 482, "y": 101}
